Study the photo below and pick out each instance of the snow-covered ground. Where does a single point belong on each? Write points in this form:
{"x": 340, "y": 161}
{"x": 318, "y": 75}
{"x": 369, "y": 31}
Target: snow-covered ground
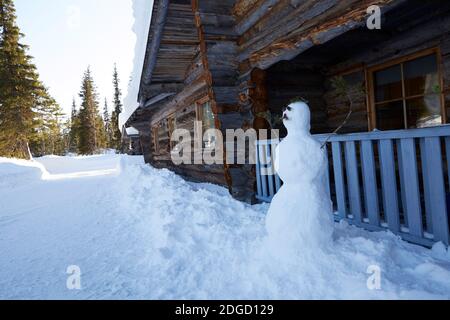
{"x": 140, "y": 233}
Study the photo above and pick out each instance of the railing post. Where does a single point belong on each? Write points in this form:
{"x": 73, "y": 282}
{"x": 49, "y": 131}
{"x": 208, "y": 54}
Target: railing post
{"x": 339, "y": 180}
{"x": 389, "y": 185}
{"x": 354, "y": 192}
{"x": 258, "y": 171}
{"x": 410, "y": 187}
{"x": 434, "y": 176}
{"x": 370, "y": 182}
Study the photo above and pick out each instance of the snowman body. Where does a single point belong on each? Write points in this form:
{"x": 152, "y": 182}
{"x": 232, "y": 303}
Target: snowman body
{"x": 300, "y": 214}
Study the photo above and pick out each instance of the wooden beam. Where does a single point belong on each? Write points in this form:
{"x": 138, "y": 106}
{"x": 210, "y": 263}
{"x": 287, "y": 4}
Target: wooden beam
{"x": 152, "y": 54}
{"x": 251, "y": 18}
{"x": 157, "y": 99}
{"x": 311, "y": 33}
{"x": 180, "y": 100}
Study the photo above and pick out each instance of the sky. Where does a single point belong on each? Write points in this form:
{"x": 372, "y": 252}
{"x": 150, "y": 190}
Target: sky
{"x": 67, "y": 36}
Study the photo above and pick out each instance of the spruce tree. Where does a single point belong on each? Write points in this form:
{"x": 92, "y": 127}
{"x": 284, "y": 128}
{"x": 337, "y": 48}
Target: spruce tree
{"x": 116, "y": 134}
{"x": 107, "y": 121}
{"x": 88, "y": 134}
{"x": 47, "y": 136}
{"x": 101, "y": 133}
{"x": 21, "y": 92}
{"x": 73, "y": 129}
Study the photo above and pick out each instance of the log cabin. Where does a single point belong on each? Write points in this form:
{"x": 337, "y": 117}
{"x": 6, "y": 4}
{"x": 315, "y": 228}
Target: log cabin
{"x": 131, "y": 142}
{"x": 235, "y": 64}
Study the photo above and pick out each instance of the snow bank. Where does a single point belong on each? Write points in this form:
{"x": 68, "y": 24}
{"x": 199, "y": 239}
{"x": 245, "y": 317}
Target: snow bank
{"x": 142, "y": 11}
{"x": 144, "y": 233}
{"x": 202, "y": 244}
{"x": 15, "y": 172}
{"x": 65, "y": 165}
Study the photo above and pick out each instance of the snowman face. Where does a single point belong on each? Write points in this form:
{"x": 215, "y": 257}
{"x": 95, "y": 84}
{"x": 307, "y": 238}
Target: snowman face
{"x": 296, "y": 118}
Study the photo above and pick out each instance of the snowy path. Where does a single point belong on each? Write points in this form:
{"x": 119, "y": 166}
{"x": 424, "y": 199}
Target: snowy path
{"x": 141, "y": 233}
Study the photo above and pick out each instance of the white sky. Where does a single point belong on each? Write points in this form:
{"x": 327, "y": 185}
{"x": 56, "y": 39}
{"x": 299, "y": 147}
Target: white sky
{"x": 66, "y": 36}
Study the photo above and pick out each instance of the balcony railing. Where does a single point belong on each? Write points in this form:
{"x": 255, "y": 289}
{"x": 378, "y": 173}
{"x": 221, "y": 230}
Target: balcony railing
{"x": 396, "y": 180}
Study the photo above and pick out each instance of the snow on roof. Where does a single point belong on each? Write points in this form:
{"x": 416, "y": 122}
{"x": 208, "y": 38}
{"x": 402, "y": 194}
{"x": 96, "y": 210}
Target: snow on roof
{"x": 142, "y": 11}
{"x": 131, "y": 131}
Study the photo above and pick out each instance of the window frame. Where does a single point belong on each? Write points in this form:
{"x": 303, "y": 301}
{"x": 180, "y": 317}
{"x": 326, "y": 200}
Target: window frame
{"x": 198, "y": 107}
{"x": 199, "y": 104}
{"x": 370, "y": 83}
{"x": 171, "y": 126}
{"x": 155, "y": 138}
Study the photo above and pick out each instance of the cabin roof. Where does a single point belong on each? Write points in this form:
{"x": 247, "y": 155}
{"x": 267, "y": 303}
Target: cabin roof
{"x": 172, "y": 45}
{"x": 173, "y": 41}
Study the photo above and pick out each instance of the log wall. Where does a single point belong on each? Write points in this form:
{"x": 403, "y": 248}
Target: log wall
{"x": 247, "y": 57}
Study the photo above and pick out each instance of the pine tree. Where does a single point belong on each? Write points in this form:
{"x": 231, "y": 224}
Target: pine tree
{"x": 47, "y": 136}
{"x": 89, "y": 138}
{"x": 101, "y": 133}
{"x": 73, "y": 128}
{"x": 107, "y": 121}
{"x": 21, "y": 92}
{"x": 116, "y": 134}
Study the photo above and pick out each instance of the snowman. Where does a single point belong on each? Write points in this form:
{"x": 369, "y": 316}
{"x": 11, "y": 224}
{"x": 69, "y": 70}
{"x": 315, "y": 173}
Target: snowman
{"x": 300, "y": 215}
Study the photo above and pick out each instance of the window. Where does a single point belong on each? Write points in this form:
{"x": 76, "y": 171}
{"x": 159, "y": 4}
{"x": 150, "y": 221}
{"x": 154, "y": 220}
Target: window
{"x": 172, "y": 125}
{"x": 155, "y": 139}
{"x": 205, "y": 114}
{"x": 163, "y": 136}
{"x": 407, "y": 94}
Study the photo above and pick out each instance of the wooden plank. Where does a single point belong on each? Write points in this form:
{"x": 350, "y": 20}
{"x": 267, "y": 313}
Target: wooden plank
{"x": 262, "y": 157}
{"x": 270, "y": 169}
{"x": 327, "y": 173}
{"x": 389, "y": 185}
{"x": 254, "y": 16}
{"x": 160, "y": 20}
{"x": 402, "y": 183}
{"x": 277, "y": 177}
{"x": 339, "y": 179}
{"x": 438, "y": 131}
{"x": 354, "y": 191}
{"x": 447, "y": 152}
{"x": 426, "y": 188}
{"x": 258, "y": 173}
{"x": 281, "y": 21}
{"x": 435, "y": 177}
{"x": 410, "y": 186}
{"x": 370, "y": 182}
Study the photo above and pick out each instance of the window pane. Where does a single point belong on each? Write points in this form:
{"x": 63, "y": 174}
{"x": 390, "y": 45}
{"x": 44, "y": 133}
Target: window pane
{"x": 424, "y": 112}
{"x": 388, "y": 84}
{"x": 208, "y": 123}
{"x": 208, "y": 117}
{"x": 421, "y": 76}
{"x": 390, "y": 116}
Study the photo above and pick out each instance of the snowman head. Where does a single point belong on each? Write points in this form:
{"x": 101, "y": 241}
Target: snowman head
{"x": 297, "y": 117}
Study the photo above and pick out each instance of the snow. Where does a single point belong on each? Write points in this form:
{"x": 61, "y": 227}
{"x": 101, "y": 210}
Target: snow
{"x": 18, "y": 172}
{"x": 300, "y": 216}
{"x": 131, "y": 131}
{"x": 137, "y": 232}
{"x": 142, "y": 12}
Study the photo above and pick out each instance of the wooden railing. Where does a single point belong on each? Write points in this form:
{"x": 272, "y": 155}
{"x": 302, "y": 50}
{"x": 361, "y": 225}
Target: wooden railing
{"x": 396, "y": 180}
{"x": 267, "y": 180}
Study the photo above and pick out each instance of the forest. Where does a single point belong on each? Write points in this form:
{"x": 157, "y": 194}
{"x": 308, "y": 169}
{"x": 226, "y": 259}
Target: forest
{"x": 32, "y": 123}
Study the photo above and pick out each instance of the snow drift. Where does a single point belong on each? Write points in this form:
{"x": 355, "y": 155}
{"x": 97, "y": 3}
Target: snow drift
{"x": 14, "y": 172}
{"x": 137, "y": 232}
